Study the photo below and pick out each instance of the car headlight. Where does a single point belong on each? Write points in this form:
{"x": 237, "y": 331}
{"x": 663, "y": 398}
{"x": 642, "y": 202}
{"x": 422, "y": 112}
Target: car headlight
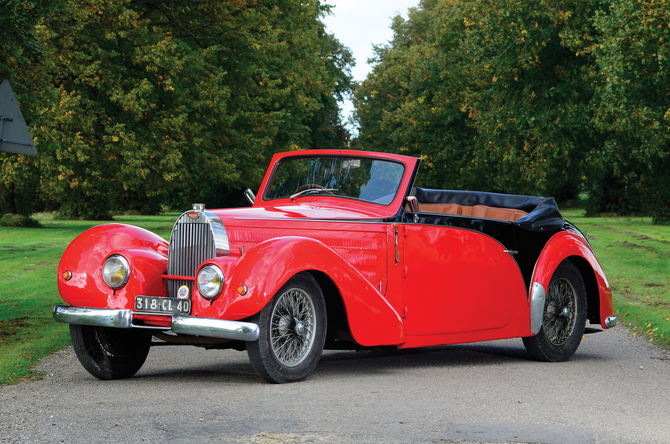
{"x": 210, "y": 281}
{"x": 116, "y": 271}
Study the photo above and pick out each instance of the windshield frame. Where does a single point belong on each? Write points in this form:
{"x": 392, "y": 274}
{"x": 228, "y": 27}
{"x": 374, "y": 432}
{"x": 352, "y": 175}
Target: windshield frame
{"x": 345, "y": 156}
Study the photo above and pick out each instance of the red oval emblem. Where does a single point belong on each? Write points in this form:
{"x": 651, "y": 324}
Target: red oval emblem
{"x": 193, "y": 215}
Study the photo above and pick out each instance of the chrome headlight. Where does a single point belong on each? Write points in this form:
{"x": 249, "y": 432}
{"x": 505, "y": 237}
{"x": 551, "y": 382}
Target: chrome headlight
{"x": 116, "y": 271}
{"x": 210, "y": 281}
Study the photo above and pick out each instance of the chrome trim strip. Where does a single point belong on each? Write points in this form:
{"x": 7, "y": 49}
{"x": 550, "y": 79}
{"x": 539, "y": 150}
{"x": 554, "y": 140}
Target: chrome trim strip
{"x": 215, "y": 328}
{"x": 220, "y": 235}
{"x": 537, "y": 300}
{"x": 103, "y": 317}
{"x": 611, "y": 321}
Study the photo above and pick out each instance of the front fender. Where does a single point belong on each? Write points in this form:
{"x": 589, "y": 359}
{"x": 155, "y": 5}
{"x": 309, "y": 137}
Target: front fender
{"x": 265, "y": 268}
{"x": 145, "y": 251}
{"x": 566, "y": 245}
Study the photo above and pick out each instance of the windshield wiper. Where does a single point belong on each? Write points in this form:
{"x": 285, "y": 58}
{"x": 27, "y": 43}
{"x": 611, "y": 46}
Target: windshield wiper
{"x": 313, "y": 191}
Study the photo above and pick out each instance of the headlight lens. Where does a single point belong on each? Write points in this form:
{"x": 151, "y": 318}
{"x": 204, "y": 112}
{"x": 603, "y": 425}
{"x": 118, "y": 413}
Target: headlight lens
{"x": 116, "y": 271}
{"x": 210, "y": 281}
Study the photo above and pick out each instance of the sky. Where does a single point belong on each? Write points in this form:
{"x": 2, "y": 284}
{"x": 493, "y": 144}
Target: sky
{"x": 359, "y": 24}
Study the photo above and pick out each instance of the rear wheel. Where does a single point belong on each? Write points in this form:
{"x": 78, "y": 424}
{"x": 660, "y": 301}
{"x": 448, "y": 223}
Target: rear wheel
{"x": 110, "y": 353}
{"x": 564, "y": 317}
{"x": 292, "y": 332}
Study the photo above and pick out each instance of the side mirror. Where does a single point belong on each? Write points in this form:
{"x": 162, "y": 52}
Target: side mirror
{"x": 413, "y": 207}
{"x": 251, "y": 197}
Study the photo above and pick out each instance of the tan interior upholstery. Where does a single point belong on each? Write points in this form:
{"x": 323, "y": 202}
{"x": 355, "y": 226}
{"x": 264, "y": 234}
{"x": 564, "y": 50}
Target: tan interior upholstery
{"x": 440, "y": 208}
{"x": 508, "y": 214}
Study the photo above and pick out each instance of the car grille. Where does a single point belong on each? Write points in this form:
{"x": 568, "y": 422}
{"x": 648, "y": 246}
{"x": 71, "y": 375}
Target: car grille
{"x": 191, "y": 243}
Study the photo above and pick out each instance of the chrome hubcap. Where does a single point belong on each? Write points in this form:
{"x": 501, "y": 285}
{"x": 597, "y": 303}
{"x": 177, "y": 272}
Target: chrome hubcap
{"x": 299, "y": 328}
{"x": 292, "y": 328}
{"x": 560, "y": 313}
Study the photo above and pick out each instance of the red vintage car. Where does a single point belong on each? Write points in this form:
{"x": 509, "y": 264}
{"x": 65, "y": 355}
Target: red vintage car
{"x": 338, "y": 251}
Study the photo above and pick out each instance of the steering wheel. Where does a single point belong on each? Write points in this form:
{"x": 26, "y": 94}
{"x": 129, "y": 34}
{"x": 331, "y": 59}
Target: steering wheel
{"x": 309, "y": 186}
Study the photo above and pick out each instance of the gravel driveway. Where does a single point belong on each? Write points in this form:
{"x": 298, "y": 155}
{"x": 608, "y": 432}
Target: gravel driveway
{"x": 616, "y": 389}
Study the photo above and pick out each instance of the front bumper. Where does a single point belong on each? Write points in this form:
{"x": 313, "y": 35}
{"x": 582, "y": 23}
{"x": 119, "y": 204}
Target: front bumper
{"x": 186, "y": 325}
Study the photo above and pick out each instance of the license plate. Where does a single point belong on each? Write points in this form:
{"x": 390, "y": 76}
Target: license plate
{"x": 151, "y": 304}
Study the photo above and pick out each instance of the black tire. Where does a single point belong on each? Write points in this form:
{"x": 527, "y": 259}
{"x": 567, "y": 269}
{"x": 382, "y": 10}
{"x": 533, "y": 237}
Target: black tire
{"x": 564, "y": 317}
{"x": 292, "y": 332}
{"x": 110, "y": 353}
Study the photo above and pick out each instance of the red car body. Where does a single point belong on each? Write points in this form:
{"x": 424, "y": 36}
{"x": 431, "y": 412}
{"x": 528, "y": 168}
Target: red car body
{"x": 393, "y": 271}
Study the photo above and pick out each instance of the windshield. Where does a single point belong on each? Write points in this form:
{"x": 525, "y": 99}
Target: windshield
{"x": 371, "y": 180}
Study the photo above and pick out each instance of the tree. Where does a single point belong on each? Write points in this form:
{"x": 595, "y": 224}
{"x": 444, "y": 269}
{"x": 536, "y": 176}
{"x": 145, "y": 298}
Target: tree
{"x": 20, "y": 54}
{"x": 634, "y": 108}
{"x": 326, "y": 128}
{"x": 150, "y": 102}
{"x": 498, "y": 95}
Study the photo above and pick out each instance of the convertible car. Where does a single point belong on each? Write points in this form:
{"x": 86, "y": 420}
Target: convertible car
{"x": 337, "y": 251}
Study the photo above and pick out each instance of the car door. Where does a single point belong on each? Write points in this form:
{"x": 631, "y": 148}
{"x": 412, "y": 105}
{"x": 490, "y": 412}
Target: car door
{"x": 458, "y": 280}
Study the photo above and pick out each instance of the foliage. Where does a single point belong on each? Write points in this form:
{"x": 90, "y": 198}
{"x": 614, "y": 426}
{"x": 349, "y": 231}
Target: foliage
{"x": 531, "y": 97}
{"x": 136, "y": 104}
{"x": 634, "y": 107}
{"x": 380, "y": 99}
{"x": 18, "y": 220}
{"x": 326, "y": 127}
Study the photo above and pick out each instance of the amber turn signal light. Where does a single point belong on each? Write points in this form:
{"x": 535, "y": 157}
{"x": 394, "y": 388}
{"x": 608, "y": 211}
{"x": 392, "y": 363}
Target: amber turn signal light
{"x": 67, "y": 275}
{"x": 242, "y": 290}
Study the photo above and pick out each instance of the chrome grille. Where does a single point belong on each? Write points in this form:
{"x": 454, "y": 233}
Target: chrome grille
{"x": 191, "y": 243}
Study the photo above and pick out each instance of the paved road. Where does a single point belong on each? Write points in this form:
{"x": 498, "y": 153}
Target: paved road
{"x": 616, "y": 389}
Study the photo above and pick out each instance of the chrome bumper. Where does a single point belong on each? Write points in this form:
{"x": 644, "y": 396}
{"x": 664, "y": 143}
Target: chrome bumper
{"x": 186, "y": 325}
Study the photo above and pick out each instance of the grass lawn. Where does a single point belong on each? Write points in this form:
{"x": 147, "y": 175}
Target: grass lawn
{"x": 28, "y": 265}
{"x": 634, "y": 254}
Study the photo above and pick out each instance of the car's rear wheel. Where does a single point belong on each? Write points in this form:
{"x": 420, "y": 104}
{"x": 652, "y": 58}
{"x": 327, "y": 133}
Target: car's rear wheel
{"x": 292, "y": 332}
{"x": 110, "y": 353}
{"x": 564, "y": 317}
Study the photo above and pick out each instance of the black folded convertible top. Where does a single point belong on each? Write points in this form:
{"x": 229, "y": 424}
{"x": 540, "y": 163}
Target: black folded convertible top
{"x": 543, "y": 213}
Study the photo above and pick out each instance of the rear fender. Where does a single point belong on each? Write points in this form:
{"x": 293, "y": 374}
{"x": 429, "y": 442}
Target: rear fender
{"x": 145, "y": 251}
{"x": 568, "y": 245}
{"x": 264, "y": 269}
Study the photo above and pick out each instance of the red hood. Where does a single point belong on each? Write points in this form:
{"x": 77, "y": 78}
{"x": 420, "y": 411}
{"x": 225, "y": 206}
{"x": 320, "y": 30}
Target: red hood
{"x": 309, "y": 210}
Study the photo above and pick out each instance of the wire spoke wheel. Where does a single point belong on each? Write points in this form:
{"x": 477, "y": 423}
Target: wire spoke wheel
{"x": 292, "y": 332}
{"x": 564, "y": 316}
{"x": 293, "y": 326}
{"x": 561, "y": 312}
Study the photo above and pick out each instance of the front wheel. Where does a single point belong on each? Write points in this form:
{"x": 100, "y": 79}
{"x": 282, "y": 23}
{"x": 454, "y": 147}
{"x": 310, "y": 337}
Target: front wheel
{"x": 564, "y": 317}
{"x": 110, "y": 353}
{"x": 292, "y": 332}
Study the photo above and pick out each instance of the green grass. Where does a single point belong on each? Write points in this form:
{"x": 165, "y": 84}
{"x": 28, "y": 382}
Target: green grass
{"x": 28, "y": 265}
{"x": 634, "y": 254}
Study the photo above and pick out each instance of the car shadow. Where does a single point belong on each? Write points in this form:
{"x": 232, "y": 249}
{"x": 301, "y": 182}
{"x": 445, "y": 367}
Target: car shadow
{"x": 335, "y": 363}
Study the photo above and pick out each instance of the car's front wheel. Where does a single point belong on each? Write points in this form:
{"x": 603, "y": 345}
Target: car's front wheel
{"x": 564, "y": 317}
{"x": 292, "y": 332}
{"x": 110, "y": 353}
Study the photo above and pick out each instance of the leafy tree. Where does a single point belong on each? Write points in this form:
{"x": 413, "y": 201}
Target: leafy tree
{"x": 20, "y": 54}
{"x": 531, "y": 97}
{"x": 382, "y": 96}
{"x": 634, "y": 108}
{"x": 498, "y": 96}
{"x": 146, "y": 102}
{"x": 326, "y": 128}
